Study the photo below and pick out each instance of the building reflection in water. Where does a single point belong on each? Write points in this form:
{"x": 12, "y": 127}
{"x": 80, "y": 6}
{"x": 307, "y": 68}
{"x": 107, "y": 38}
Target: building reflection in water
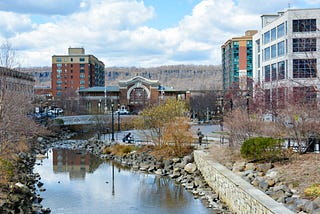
{"x": 75, "y": 162}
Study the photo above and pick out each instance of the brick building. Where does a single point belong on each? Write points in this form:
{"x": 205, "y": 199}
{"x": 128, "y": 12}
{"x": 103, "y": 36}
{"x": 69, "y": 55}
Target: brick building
{"x": 133, "y": 94}
{"x": 75, "y": 71}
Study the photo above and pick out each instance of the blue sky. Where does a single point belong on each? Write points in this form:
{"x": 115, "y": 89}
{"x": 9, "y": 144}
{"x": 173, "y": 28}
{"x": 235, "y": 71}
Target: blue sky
{"x": 141, "y": 33}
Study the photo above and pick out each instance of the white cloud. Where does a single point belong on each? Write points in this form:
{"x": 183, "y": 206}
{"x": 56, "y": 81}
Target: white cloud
{"x": 116, "y": 30}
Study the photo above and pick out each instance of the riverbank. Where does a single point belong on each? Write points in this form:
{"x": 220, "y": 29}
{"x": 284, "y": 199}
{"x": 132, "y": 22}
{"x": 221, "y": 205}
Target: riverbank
{"x": 181, "y": 170}
{"x": 24, "y": 195}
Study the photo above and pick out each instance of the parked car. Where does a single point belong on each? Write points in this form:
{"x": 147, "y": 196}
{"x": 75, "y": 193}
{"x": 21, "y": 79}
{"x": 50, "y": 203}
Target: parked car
{"x": 122, "y": 112}
{"x": 56, "y": 111}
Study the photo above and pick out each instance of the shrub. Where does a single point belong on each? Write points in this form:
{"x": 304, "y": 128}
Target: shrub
{"x": 262, "y": 149}
{"x": 6, "y": 170}
{"x": 119, "y": 149}
{"x": 313, "y": 191}
{"x": 58, "y": 121}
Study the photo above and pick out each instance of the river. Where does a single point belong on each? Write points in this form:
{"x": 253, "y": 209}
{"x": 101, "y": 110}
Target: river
{"x": 77, "y": 183}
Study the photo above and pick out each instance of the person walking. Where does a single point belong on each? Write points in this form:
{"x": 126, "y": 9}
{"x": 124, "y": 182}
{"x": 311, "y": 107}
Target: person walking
{"x": 200, "y": 136}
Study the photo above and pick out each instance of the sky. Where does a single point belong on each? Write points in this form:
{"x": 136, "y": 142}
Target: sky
{"x": 125, "y": 33}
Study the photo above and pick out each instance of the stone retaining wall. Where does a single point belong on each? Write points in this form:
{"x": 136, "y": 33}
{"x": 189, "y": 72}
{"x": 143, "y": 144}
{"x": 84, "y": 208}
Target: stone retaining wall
{"x": 240, "y": 196}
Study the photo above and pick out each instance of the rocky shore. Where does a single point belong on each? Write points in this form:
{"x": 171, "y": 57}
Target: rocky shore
{"x": 23, "y": 196}
{"x": 266, "y": 178}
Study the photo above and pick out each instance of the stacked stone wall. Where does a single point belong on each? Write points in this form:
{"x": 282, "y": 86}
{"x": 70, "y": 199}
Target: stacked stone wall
{"x": 240, "y": 196}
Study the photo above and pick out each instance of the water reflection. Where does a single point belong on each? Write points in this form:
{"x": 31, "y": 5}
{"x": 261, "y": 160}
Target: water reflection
{"x": 80, "y": 183}
{"x": 76, "y": 162}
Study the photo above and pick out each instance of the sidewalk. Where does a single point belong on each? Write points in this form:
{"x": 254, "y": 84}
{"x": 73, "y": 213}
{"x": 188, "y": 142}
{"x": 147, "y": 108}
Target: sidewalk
{"x": 212, "y": 134}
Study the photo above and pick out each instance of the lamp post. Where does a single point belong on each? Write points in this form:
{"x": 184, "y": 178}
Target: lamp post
{"x": 105, "y": 99}
{"x": 112, "y": 122}
{"x": 221, "y": 104}
{"x": 119, "y": 117}
{"x": 248, "y": 97}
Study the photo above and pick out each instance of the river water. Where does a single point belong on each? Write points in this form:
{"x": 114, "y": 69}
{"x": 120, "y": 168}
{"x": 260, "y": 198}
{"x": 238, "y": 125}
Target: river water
{"x": 78, "y": 183}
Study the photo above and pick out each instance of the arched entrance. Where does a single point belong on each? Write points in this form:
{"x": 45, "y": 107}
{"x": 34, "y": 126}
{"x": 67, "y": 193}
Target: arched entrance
{"x": 138, "y": 97}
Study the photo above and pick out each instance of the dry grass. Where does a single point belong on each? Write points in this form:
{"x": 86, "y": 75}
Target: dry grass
{"x": 300, "y": 172}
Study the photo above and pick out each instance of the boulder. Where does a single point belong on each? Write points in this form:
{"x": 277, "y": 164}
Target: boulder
{"x": 190, "y": 168}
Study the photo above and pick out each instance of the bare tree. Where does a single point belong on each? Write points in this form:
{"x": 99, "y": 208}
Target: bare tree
{"x": 8, "y": 57}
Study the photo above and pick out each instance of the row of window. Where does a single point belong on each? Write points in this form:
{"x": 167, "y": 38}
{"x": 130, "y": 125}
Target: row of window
{"x": 304, "y": 25}
{"x": 298, "y": 45}
{"x": 304, "y": 44}
{"x": 275, "y": 71}
{"x": 59, "y": 88}
{"x": 65, "y": 59}
{"x": 301, "y": 68}
{"x": 299, "y": 25}
{"x": 59, "y": 82}
{"x": 82, "y": 66}
{"x": 274, "y": 33}
{"x": 82, "y": 76}
{"x": 274, "y": 51}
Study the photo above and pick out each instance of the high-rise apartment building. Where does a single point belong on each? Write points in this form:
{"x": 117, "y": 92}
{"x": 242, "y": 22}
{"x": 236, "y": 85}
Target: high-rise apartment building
{"x": 75, "y": 71}
{"x": 287, "y": 54}
{"x": 237, "y": 61}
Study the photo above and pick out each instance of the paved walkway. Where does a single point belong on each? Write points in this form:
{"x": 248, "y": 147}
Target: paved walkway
{"x": 212, "y": 135}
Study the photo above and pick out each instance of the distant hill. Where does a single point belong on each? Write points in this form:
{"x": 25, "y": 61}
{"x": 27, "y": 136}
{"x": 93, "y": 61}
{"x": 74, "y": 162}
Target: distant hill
{"x": 42, "y": 75}
{"x": 178, "y": 76}
{"x": 192, "y": 77}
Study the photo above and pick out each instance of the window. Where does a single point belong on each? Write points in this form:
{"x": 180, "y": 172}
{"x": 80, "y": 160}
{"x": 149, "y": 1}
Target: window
{"x": 59, "y": 65}
{"x": 82, "y": 82}
{"x": 273, "y": 34}
{"x": 274, "y": 71}
{"x": 266, "y": 54}
{"x": 281, "y": 70}
{"x": 259, "y": 63}
{"x": 280, "y": 30}
{"x": 82, "y": 65}
{"x": 305, "y": 94}
{"x": 82, "y": 59}
{"x": 273, "y": 51}
{"x": 71, "y": 59}
{"x": 304, "y": 44}
{"x": 267, "y": 73}
{"x": 58, "y": 59}
{"x": 59, "y": 82}
{"x": 304, "y": 25}
{"x": 304, "y": 68}
{"x": 281, "y": 48}
{"x": 266, "y": 37}
{"x": 82, "y": 76}
{"x": 258, "y": 45}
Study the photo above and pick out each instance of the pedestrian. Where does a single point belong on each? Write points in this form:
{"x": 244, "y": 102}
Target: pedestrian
{"x": 200, "y": 136}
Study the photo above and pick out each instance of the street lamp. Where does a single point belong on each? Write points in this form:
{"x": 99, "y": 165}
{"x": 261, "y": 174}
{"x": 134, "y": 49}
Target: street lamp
{"x": 221, "y": 105}
{"x": 105, "y": 99}
{"x": 119, "y": 117}
{"x": 112, "y": 121}
{"x": 248, "y": 97}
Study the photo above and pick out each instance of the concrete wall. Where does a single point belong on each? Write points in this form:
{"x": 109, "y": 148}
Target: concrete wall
{"x": 238, "y": 194}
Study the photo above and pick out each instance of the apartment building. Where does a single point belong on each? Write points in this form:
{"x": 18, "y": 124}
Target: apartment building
{"x": 16, "y": 82}
{"x": 75, "y": 71}
{"x": 286, "y": 55}
{"x": 237, "y": 61}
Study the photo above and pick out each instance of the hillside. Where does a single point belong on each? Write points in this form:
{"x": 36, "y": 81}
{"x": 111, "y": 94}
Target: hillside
{"x": 191, "y": 77}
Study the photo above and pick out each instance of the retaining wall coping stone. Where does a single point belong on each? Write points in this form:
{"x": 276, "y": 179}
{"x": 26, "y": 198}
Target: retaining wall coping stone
{"x": 241, "y": 184}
